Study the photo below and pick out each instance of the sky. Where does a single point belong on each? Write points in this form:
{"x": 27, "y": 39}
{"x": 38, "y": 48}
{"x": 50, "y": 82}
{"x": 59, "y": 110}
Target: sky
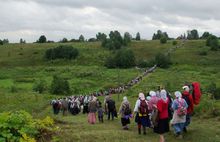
{"x": 56, "y": 19}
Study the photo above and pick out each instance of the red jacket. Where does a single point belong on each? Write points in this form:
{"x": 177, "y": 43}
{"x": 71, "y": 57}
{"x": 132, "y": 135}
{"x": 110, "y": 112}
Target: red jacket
{"x": 162, "y": 107}
{"x": 189, "y": 101}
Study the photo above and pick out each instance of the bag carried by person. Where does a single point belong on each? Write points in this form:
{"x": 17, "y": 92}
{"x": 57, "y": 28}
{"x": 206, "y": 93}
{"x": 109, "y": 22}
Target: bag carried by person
{"x": 127, "y": 109}
{"x": 196, "y": 93}
{"x": 181, "y": 111}
{"x": 143, "y": 109}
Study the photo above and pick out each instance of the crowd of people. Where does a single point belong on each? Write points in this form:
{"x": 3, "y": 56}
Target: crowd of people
{"x": 156, "y": 110}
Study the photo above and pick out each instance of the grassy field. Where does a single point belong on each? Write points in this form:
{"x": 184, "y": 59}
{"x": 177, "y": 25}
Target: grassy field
{"x": 22, "y": 64}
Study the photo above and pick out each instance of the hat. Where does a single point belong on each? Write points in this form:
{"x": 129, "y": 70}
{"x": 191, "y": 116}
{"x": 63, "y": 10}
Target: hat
{"x": 152, "y": 93}
{"x": 141, "y": 96}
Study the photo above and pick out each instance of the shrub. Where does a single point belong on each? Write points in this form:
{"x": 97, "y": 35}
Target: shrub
{"x": 212, "y": 41}
{"x": 40, "y": 86}
{"x": 20, "y": 126}
{"x": 212, "y": 89}
{"x": 60, "y": 86}
{"x": 142, "y": 63}
{"x": 163, "y": 40}
{"x": 162, "y": 61}
{"x": 203, "y": 53}
{"x": 13, "y": 89}
{"x": 174, "y": 42}
{"x": 61, "y": 52}
{"x": 122, "y": 59}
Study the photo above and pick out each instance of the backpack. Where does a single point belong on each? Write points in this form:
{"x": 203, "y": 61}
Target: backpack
{"x": 143, "y": 110}
{"x": 181, "y": 111}
{"x": 111, "y": 105}
{"x": 196, "y": 93}
{"x": 127, "y": 109}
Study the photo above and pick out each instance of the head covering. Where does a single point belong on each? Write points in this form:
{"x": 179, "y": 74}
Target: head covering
{"x": 178, "y": 94}
{"x": 163, "y": 94}
{"x": 125, "y": 98}
{"x": 186, "y": 88}
{"x": 148, "y": 98}
{"x": 152, "y": 93}
{"x": 141, "y": 96}
{"x": 94, "y": 99}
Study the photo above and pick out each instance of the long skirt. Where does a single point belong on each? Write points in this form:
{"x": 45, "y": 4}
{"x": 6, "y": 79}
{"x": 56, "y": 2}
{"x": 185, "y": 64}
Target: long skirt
{"x": 92, "y": 117}
{"x": 162, "y": 127}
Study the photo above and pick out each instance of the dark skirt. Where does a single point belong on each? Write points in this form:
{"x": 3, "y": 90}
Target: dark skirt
{"x": 125, "y": 121}
{"x": 143, "y": 120}
{"x": 163, "y": 126}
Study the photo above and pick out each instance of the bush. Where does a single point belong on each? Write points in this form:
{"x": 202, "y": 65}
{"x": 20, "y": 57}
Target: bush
{"x": 61, "y": 52}
{"x": 212, "y": 89}
{"x": 20, "y": 126}
{"x": 40, "y": 86}
{"x": 60, "y": 86}
{"x": 163, "y": 40}
{"x": 142, "y": 63}
{"x": 122, "y": 59}
{"x": 162, "y": 61}
{"x": 203, "y": 53}
{"x": 212, "y": 41}
{"x": 174, "y": 42}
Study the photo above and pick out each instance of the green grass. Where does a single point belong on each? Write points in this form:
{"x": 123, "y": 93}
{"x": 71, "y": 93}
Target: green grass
{"x": 22, "y": 64}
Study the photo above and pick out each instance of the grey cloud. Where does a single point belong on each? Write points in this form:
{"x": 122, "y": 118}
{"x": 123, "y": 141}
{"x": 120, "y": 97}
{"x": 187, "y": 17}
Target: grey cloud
{"x": 70, "y": 18}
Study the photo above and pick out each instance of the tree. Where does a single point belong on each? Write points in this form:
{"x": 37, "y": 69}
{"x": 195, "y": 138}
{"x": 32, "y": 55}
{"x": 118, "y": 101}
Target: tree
{"x": 5, "y": 41}
{"x": 122, "y": 59}
{"x": 205, "y": 35}
{"x": 163, "y": 39}
{"x": 92, "y": 40}
{"x": 213, "y": 42}
{"x": 59, "y": 86}
{"x": 192, "y": 35}
{"x": 101, "y": 36}
{"x": 22, "y": 41}
{"x": 127, "y": 38}
{"x": 115, "y": 41}
{"x": 162, "y": 61}
{"x": 81, "y": 38}
{"x": 42, "y": 39}
{"x": 159, "y": 35}
{"x": 138, "y": 36}
{"x": 1, "y": 42}
{"x": 62, "y": 52}
{"x": 64, "y": 40}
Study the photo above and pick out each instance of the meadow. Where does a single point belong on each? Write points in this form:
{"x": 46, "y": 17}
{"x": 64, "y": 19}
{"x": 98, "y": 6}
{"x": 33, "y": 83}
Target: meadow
{"x": 22, "y": 64}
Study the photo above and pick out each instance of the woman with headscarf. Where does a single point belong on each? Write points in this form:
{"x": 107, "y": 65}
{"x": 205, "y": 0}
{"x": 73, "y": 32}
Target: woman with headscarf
{"x": 163, "y": 122}
{"x": 125, "y": 111}
{"x": 179, "y": 116}
{"x": 142, "y": 113}
{"x": 92, "y": 110}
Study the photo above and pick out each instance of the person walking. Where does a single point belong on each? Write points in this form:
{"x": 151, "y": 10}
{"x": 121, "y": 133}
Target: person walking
{"x": 179, "y": 116}
{"x": 163, "y": 122}
{"x": 125, "y": 111}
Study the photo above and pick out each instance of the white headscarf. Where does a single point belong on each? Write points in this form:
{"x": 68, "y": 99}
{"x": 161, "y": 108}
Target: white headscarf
{"x": 141, "y": 96}
{"x": 163, "y": 94}
{"x": 186, "y": 88}
{"x": 178, "y": 95}
{"x": 152, "y": 93}
{"x": 125, "y": 99}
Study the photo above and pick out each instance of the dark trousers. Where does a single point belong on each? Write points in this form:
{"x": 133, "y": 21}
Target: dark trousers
{"x": 112, "y": 114}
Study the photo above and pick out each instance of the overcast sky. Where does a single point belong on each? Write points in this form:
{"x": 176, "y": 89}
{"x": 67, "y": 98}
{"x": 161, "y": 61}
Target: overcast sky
{"x": 56, "y": 19}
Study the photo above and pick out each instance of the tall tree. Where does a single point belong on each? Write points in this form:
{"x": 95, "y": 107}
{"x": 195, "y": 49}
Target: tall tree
{"x": 127, "y": 38}
{"x": 138, "y": 36}
{"x": 42, "y": 39}
{"x": 81, "y": 38}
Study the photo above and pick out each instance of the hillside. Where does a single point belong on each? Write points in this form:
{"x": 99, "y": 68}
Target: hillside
{"x": 22, "y": 64}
